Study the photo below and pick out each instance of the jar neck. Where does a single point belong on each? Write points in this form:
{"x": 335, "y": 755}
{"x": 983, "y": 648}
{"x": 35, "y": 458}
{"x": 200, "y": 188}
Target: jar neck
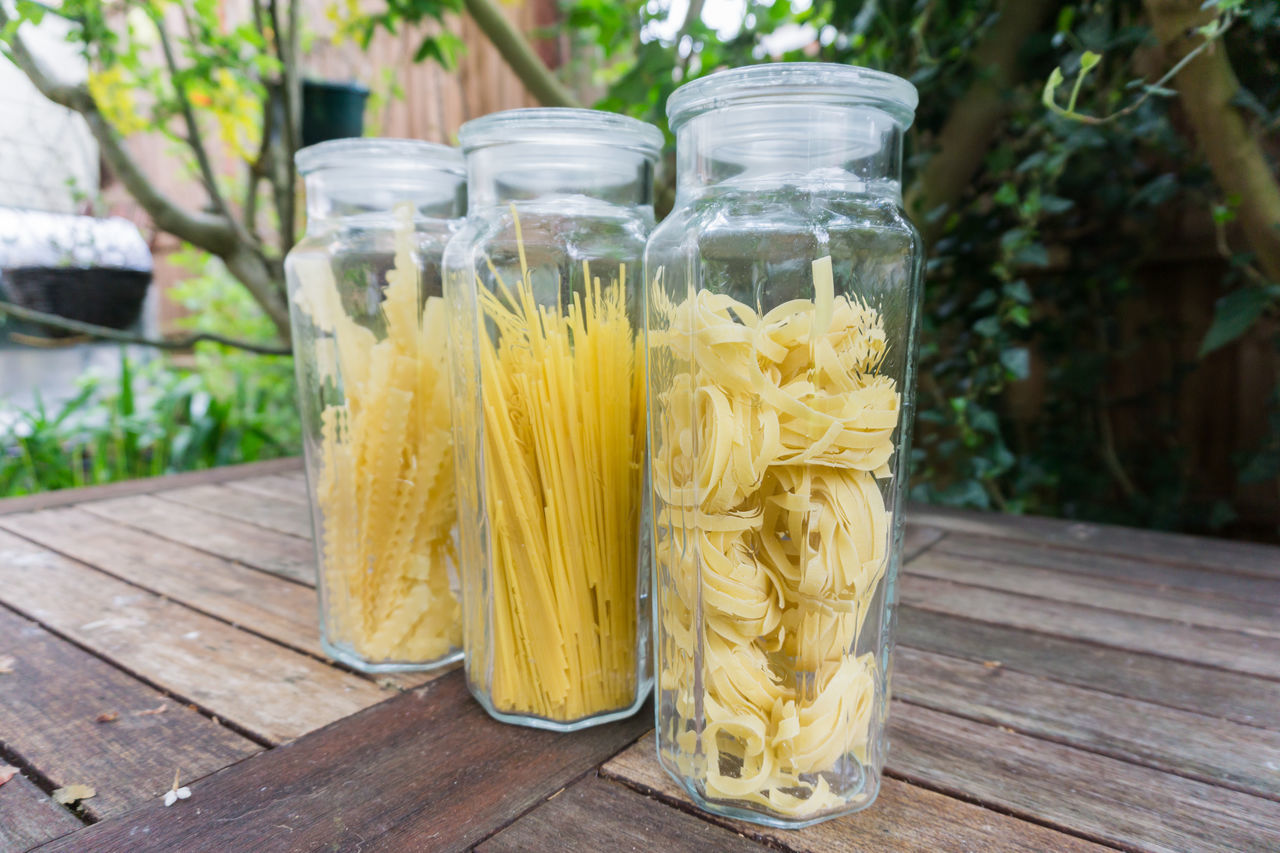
{"x": 524, "y": 171}
{"x": 340, "y": 193}
{"x": 856, "y": 148}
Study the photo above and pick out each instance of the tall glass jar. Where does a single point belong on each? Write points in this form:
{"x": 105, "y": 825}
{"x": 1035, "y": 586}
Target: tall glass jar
{"x": 544, "y": 282}
{"x": 369, "y": 342}
{"x": 781, "y": 322}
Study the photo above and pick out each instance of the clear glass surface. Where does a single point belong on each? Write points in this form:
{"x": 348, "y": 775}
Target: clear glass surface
{"x": 544, "y": 284}
{"x": 369, "y": 326}
{"x": 781, "y": 321}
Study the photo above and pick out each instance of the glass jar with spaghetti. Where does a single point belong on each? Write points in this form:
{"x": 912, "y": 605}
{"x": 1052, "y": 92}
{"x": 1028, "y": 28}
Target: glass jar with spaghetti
{"x": 544, "y": 285}
{"x": 369, "y": 341}
{"x": 781, "y": 311}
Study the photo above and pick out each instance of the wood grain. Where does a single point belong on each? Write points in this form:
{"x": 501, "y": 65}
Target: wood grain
{"x": 1260, "y": 617}
{"x": 266, "y": 689}
{"x": 428, "y": 770}
{"x": 1213, "y": 646}
{"x": 286, "y": 556}
{"x": 1205, "y": 748}
{"x": 272, "y": 486}
{"x": 903, "y": 817}
{"x": 594, "y": 815}
{"x": 48, "y": 710}
{"x": 917, "y": 538}
{"x": 1158, "y": 575}
{"x": 1175, "y": 549}
{"x": 287, "y": 517}
{"x": 268, "y": 605}
{"x": 147, "y": 485}
{"x": 1103, "y": 798}
{"x": 28, "y": 817}
{"x": 1213, "y": 692}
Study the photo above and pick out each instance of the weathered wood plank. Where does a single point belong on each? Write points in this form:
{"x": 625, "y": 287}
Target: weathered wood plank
{"x": 286, "y": 517}
{"x": 265, "y": 688}
{"x": 426, "y": 770}
{"x": 1212, "y": 646}
{"x": 1110, "y": 800}
{"x": 268, "y": 605}
{"x": 49, "y": 707}
{"x": 249, "y": 544}
{"x": 903, "y": 817}
{"x": 1176, "y": 605}
{"x": 918, "y": 538}
{"x": 1212, "y": 750}
{"x": 28, "y": 817}
{"x": 1159, "y": 575}
{"x": 1213, "y": 692}
{"x": 147, "y": 485}
{"x": 272, "y": 486}
{"x": 594, "y": 815}
{"x": 1173, "y": 548}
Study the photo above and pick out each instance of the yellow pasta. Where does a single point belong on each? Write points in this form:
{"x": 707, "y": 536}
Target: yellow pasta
{"x": 773, "y": 471}
{"x": 385, "y": 486}
{"x": 563, "y": 444}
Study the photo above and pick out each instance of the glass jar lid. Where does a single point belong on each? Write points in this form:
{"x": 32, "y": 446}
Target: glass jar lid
{"x": 561, "y": 126}
{"x": 375, "y": 153}
{"x": 792, "y": 83}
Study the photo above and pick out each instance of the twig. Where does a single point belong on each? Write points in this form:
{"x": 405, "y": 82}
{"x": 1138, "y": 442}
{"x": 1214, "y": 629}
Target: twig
{"x": 175, "y": 342}
{"x": 193, "y": 138}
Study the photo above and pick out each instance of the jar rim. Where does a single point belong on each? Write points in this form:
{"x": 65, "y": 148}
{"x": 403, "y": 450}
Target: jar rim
{"x": 795, "y": 82}
{"x": 555, "y": 124}
{"x": 378, "y": 152}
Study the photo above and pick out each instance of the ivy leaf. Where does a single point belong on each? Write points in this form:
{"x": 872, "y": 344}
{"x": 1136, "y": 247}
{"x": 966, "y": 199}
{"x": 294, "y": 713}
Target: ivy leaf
{"x": 1233, "y": 315}
{"x": 1017, "y": 361}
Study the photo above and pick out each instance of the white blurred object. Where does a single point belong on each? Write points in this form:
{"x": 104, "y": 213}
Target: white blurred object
{"x": 32, "y": 238}
{"x": 48, "y": 157}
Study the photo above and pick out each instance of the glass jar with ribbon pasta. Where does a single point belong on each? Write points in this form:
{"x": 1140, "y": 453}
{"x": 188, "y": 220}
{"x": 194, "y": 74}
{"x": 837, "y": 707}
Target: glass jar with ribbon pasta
{"x": 544, "y": 285}
{"x": 782, "y": 316}
{"x": 369, "y": 327}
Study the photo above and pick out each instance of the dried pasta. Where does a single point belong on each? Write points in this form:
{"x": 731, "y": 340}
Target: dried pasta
{"x": 562, "y": 414}
{"x": 768, "y": 444}
{"x": 385, "y": 487}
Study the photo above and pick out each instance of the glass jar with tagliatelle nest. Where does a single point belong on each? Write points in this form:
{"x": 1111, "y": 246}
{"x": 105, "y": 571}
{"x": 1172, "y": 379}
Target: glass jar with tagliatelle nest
{"x": 369, "y": 339}
{"x": 782, "y": 317}
{"x": 544, "y": 283}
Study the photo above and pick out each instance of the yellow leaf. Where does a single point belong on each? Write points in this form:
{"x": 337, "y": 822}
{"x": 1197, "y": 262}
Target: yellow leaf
{"x": 73, "y": 793}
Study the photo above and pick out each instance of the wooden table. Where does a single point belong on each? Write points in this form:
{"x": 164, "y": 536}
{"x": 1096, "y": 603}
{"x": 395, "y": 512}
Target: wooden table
{"x": 1058, "y": 687}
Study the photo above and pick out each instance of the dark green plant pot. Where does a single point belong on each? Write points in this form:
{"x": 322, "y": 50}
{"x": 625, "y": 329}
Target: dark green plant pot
{"x": 332, "y": 110}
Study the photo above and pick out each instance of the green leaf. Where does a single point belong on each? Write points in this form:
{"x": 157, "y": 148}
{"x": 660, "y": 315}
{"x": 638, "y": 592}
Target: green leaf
{"x": 1017, "y": 361}
{"x": 1234, "y": 314}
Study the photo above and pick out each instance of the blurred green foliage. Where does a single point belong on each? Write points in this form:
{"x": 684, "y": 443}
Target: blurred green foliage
{"x": 156, "y": 417}
{"x": 1052, "y": 243}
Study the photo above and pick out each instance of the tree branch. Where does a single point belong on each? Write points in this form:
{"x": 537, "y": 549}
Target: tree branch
{"x": 519, "y": 55}
{"x": 175, "y": 342}
{"x": 1207, "y": 88}
{"x": 194, "y": 139}
{"x": 977, "y": 118}
{"x": 214, "y": 233}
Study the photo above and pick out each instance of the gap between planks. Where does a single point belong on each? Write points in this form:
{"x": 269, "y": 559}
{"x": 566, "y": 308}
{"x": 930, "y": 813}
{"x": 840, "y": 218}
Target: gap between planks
{"x": 148, "y": 485}
{"x": 1208, "y": 749}
{"x": 1244, "y": 558}
{"x": 910, "y": 816}
{"x": 1161, "y": 681}
{"x": 1259, "y": 617}
{"x": 51, "y": 725}
{"x": 1213, "y": 647}
{"x": 248, "y": 599}
{"x": 270, "y": 692}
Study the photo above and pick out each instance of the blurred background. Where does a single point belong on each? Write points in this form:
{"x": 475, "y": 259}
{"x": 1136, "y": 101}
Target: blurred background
{"x": 1097, "y": 183}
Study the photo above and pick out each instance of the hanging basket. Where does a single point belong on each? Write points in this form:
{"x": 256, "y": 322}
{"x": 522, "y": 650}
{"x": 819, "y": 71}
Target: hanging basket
{"x": 92, "y": 270}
